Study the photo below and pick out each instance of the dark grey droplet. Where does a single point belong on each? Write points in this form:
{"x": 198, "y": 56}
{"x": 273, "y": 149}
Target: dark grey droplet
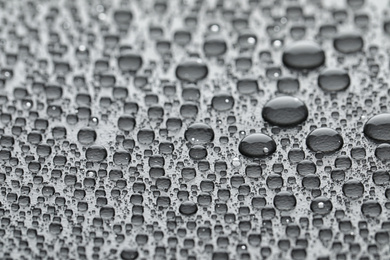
{"x": 285, "y": 111}
{"x": 325, "y": 140}
{"x": 303, "y": 55}
{"x": 257, "y": 145}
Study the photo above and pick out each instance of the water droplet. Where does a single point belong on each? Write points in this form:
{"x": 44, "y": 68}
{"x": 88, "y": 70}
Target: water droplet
{"x": 285, "y": 111}
{"x": 348, "y": 43}
{"x": 334, "y": 80}
{"x": 353, "y": 189}
{"x": 378, "y": 128}
{"x": 222, "y": 102}
{"x": 188, "y": 208}
{"x": 285, "y": 200}
{"x": 199, "y": 133}
{"x": 321, "y": 205}
{"x": 253, "y": 145}
{"x": 303, "y": 55}
{"x": 192, "y": 70}
{"x": 324, "y": 140}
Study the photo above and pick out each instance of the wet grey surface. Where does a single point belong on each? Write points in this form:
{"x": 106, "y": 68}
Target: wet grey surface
{"x": 194, "y": 129}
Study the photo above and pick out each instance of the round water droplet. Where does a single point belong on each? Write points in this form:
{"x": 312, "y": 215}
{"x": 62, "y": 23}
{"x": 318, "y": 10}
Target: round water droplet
{"x": 353, "y": 189}
{"x": 129, "y": 254}
{"x": 86, "y": 136}
{"x": 306, "y": 167}
{"x": 130, "y": 62}
{"x": 333, "y": 80}
{"x": 96, "y": 153}
{"x": 236, "y": 162}
{"x": 197, "y": 152}
{"x": 253, "y": 145}
{"x": 288, "y": 85}
{"x": 285, "y": 200}
{"x": 378, "y": 128}
{"x": 222, "y": 102}
{"x": 247, "y": 86}
{"x": 381, "y": 177}
{"x": 303, "y": 55}
{"x": 285, "y": 111}
{"x": 214, "y": 46}
{"x": 325, "y": 140}
{"x": 188, "y": 208}
{"x": 199, "y": 133}
{"x": 192, "y": 70}
{"x": 382, "y": 152}
{"x": 126, "y": 123}
{"x": 321, "y": 205}
{"x": 371, "y": 209}
{"x": 348, "y": 43}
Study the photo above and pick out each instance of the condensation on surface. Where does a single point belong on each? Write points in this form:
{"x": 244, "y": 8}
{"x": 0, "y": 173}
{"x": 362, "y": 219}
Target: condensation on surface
{"x": 137, "y": 129}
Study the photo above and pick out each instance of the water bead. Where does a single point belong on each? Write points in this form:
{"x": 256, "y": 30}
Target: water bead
{"x": 302, "y": 55}
{"x": 257, "y": 145}
{"x": 192, "y": 70}
{"x": 285, "y": 111}
{"x": 333, "y": 80}
{"x": 324, "y": 140}
{"x": 348, "y": 43}
{"x": 378, "y": 128}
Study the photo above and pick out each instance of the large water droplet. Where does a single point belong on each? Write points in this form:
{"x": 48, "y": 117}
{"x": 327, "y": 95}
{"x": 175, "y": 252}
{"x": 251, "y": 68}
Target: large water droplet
{"x": 285, "y": 111}
{"x": 285, "y": 200}
{"x": 334, "y": 80}
{"x": 199, "y": 133}
{"x": 192, "y": 70}
{"x": 348, "y": 43}
{"x": 303, "y": 55}
{"x": 378, "y": 128}
{"x": 325, "y": 140}
{"x": 353, "y": 189}
{"x": 257, "y": 145}
{"x": 188, "y": 208}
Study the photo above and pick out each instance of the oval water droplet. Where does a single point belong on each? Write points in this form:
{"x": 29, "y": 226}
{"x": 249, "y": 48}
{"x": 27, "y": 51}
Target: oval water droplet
{"x": 257, "y": 145}
{"x": 303, "y": 55}
{"x": 378, "y": 127}
{"x": 333, "y": 80}
{"x": 192, "y": 70}
{"x": 285, "y": 111}
{"x": 325, "y": 140}
{"x": 348, "y": 43}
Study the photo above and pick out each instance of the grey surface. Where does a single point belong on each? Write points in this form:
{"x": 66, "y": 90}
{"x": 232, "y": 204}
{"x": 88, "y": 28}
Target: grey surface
{"x": 42, "y": 218}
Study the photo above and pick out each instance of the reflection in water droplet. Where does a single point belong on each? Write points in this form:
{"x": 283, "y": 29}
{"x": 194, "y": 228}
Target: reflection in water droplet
{"x": 333, "y": 80}
{"x": 132, "y": 130}
{"x": 348, "y": 43}
{"x": 96, "y": 153}
{"x": 321, "y": 205}
{"x": 188, "y": 208}
{"x": 303, "y": 55}
{"x": 247, "y": 86}
{"x": 192, "y": 70}
{"x": 199, "y": 133}
{"x": 285, "y": 201}
{"x": 214, "y": 46}
{"x": 353, "y": 189}
{"x": 254, "y": 145}
{"x": 86, "y": 136}
{"x": 378, "y": 128}
{"x": 222, "y": 102}
{"x": 285, "y": 111}
{"x": 324, "y": 140}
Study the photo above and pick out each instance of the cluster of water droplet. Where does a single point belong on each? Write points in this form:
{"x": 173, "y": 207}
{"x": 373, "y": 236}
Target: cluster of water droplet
{"x": 192, "y": 129}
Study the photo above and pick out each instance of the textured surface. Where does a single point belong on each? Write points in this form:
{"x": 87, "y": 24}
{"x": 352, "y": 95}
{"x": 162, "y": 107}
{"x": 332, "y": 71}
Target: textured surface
{"x": 121, "y": 122}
